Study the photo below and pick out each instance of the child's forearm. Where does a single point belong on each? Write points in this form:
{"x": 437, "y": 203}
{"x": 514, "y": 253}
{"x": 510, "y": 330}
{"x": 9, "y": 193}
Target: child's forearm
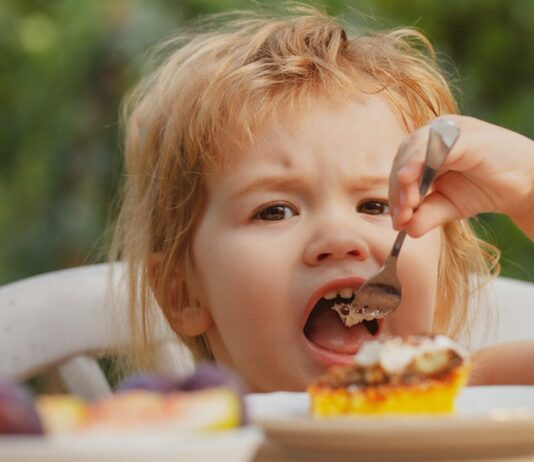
{"x": 506, "y": 364}
{"x": 524, "y": 218}
{"x": 525, "y": 221}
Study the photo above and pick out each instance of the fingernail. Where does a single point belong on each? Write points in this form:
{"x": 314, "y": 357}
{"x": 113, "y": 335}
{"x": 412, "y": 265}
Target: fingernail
{"x": 405, "y": 169}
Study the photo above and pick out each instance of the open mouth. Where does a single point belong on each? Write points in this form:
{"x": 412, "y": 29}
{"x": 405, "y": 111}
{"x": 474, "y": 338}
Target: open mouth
{"x": 325, "y": 328}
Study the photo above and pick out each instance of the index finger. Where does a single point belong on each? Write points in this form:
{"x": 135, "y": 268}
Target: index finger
{"x": 404, "y": 177}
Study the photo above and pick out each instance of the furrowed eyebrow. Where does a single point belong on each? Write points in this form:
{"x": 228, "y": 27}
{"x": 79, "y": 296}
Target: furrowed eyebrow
{"x": 271, "y": 183}
{"x": 368, "y": 182}
{"x": 295, "y": 183}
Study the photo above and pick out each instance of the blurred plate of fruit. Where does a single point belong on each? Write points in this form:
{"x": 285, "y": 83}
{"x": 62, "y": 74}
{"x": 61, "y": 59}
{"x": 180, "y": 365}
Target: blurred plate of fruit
{"x": 149, "y": 418}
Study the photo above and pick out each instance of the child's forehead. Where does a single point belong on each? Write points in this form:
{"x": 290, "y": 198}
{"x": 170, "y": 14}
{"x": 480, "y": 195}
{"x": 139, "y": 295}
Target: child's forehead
{"x": 359, "y": 135}
{"x": 284, "y": 127}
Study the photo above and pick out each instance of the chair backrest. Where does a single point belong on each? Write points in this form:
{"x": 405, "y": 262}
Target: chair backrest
{"x": 510, "y": 305}
{"x": 66, "y": 319}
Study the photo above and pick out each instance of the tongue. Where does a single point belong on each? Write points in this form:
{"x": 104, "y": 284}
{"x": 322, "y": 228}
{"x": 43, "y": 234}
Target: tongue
{"x": 325, "y": 329}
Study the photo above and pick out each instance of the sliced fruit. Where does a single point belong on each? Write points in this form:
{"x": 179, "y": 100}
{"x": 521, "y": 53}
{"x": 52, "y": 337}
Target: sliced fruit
{"x": 62, "y": 413}
{"x": 18, "y": 415}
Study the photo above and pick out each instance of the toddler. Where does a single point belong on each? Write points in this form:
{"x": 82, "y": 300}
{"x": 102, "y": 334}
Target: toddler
{"x": 258, "y": 190}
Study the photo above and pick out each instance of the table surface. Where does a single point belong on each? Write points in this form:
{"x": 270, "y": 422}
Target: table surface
{"x": 271, "y": 452}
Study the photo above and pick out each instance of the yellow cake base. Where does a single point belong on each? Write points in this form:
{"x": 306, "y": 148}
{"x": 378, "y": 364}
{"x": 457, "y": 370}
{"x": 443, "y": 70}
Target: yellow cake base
{"x": 435, "y": 397}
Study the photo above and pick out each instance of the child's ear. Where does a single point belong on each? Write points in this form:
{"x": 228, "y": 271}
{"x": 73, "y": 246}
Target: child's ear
{"x": 190, "y": 321}
{"x": 187, "y": 316}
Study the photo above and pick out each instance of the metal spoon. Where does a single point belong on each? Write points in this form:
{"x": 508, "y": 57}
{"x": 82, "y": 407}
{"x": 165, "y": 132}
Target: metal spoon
{"x": 381, "y": 294}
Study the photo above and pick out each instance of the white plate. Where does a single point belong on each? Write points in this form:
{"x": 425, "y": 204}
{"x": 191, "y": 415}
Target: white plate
{"x": 233, "y": 445}
{"x": 489, "y": 422}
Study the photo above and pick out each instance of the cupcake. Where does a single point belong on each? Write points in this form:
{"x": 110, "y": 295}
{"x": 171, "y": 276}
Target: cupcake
{"x": 394, "y": 375}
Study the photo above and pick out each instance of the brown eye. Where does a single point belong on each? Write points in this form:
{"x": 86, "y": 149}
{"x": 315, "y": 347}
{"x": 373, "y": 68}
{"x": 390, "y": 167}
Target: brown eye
{"x": 373, "y": 207}
{"x": 275, "y": 212}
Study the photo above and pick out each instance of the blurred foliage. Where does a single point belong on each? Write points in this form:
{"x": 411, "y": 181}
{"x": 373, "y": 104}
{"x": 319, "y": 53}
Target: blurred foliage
{"x": 65, "y": 64}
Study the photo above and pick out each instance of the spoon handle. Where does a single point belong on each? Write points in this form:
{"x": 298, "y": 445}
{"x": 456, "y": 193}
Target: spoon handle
{"x": 398, "y": 244}
{"x": 443, "y": 135}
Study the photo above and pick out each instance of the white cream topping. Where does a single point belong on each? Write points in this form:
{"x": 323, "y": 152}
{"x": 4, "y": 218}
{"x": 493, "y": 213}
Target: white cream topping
{"x": 394, "y": 354}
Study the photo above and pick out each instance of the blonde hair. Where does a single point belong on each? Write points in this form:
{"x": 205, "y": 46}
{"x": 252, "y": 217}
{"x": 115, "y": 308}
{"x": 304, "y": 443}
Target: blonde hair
{"x": 216, "y": 89}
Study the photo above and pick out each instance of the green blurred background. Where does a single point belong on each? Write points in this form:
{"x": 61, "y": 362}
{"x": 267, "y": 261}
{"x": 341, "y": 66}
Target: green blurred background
{"x": 65, "y": 64}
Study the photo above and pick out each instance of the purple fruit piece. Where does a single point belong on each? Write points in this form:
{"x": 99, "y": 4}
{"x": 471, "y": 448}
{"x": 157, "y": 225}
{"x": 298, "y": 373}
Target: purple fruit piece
{"x": 18, "y": 415}
{"x": 151, "y": 382}
{"x": 209, "y": 375}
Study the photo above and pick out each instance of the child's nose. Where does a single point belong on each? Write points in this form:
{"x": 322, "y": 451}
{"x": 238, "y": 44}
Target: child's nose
{"x": 336, "y": 245}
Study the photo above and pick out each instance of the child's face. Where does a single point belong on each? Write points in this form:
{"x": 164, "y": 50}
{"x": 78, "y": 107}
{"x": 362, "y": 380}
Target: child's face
{"x": 301, "y": 213}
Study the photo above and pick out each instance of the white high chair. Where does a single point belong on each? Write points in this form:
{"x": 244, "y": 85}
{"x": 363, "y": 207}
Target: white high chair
{"x": 64, "y": 319}
{"x": 510, "y": 309}
{"x": 67, "y": 319}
